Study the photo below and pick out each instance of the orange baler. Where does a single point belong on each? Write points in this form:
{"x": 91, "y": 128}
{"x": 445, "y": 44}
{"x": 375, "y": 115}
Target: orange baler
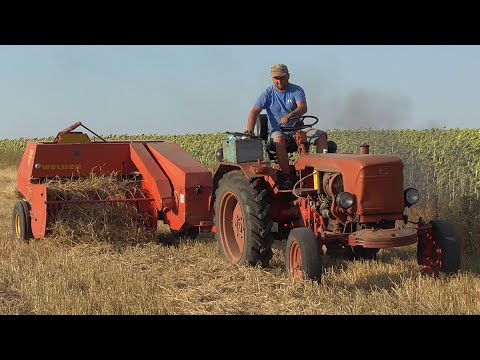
{"x": 175, "y": 188}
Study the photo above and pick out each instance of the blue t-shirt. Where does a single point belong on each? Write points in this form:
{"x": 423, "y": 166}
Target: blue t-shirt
{"x": 279, "y": 104}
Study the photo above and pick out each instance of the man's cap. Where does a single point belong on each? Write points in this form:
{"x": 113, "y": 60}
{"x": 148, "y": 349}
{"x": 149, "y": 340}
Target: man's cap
{"x": 279, "y": 70}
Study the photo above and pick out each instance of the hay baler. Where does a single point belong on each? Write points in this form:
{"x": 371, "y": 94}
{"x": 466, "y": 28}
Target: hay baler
{"x": 175, "y": 187}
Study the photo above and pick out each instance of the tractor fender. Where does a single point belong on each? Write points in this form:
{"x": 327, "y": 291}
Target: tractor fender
{"x": 248, "y": 170}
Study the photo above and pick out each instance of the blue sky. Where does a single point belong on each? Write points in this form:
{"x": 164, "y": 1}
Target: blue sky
{"x": 187, "y": 89}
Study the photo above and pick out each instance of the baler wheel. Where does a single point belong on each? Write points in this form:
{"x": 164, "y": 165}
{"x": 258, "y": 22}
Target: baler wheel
{"x": 21, "y": 221}
{"x": 303, "y": 255}
{"x": 242, "y": 219}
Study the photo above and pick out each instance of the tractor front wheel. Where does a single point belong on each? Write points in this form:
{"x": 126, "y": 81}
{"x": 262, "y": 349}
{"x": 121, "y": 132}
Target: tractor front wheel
{"x": 242, "y": 219}
{"x": 21, "y": 221}
{"x": 440, "y": 249}
{"x": 303, "y": 256}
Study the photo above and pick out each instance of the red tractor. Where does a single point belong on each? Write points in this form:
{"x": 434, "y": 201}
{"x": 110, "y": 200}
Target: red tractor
{"x": 342, "y": 205}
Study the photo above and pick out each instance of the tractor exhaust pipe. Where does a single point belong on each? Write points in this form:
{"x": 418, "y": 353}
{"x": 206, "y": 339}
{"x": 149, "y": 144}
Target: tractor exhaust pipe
{"x": 364, "y": 149}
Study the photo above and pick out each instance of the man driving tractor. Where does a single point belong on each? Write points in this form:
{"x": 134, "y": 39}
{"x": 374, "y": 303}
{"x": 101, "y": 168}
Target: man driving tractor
{"x": 283, "y": 101}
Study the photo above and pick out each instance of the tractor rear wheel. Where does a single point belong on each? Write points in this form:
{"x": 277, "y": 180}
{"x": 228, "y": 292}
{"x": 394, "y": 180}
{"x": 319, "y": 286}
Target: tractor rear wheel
{"x": 21, "y": 221}
{"x": 303, "y": 256}
{"x": 242, "y": 220}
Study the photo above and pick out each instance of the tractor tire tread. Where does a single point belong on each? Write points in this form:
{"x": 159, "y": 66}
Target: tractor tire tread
{"x": 257, "y": 221}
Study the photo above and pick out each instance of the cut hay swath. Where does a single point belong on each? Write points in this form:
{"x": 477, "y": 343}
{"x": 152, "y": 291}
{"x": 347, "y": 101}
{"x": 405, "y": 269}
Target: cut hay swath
{"x": 83, "y": 222}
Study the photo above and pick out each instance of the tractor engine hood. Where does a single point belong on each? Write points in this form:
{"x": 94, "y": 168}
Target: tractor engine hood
{"x": 376, "y": 181}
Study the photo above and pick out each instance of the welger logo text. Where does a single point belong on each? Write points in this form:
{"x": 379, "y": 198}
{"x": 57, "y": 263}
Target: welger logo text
{"x": 62, "y": 167}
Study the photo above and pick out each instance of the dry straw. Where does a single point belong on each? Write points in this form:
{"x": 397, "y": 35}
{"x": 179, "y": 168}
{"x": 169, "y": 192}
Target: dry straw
{"x": 114, "y": 222}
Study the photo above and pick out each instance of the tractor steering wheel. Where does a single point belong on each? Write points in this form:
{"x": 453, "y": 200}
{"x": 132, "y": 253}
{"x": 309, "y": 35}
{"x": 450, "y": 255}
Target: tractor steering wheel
{"x": 299, "y": 124}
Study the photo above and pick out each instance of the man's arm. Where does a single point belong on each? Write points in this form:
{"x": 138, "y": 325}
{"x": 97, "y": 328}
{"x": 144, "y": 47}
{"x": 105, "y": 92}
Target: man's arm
{"x": 252, "y": 119}
{"x": 299, "y": 111}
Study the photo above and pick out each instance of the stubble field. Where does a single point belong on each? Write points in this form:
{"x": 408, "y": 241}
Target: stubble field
{"x": 171, "y": 275}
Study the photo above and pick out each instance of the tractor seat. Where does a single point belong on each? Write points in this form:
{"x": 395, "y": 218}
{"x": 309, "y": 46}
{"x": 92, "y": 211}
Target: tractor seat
{"x": 272, "y": 151}
{"x": 261, "y": 131}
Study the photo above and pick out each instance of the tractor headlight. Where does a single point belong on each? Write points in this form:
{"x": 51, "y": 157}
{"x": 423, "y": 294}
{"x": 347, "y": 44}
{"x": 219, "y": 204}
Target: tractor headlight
{"x": 345, "y": 199}
{"x": 411, "y": 196}
{"x": 219, "y": 155}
